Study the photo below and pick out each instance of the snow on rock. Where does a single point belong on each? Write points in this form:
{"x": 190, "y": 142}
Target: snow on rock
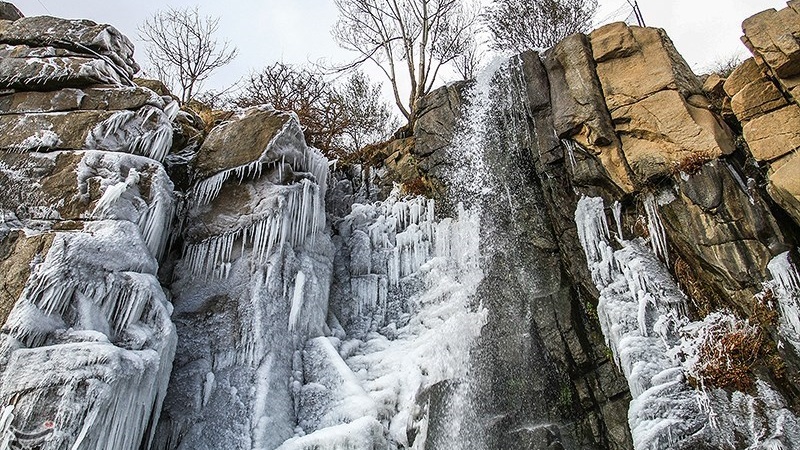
{"x": 145, "y": 132}
{"x": 365, "y": 433}
{"x": 642, "y": 315}
{"x": 87, "y": 351}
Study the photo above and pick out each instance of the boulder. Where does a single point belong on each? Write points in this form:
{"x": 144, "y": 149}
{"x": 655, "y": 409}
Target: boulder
{"x": 663, "y": 130}
{"x": 9, "y": 12}
{"x": 71, "y": 99}
{"x": 713, "y": 85}
{"x": 634, "y": 63}
{"x": 784, "y": 186}
{"x": 83, "y": 36}
{"x": 773, "y": 37}
{"x": 256, "y": 134}
{"x": 579, "y": 108}
{"x": 156, "y": 86}
{"x": 757, "y": 98}
{"x": 47, "y": 68}
{"x": 774, "y": 134}
{"x": 747, "y": 72}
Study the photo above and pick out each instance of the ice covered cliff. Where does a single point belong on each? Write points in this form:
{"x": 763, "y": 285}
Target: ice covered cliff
{"x": 584, "y": 248}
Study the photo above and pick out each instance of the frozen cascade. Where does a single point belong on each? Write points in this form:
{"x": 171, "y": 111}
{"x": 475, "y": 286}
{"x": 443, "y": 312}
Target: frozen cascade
{"x": 641, "y": 312}
{"x": 86, "y": 352}
{"x": 786, "y": 287}
{"x": 426, "y": 268}
{"x": 300, "y": 215}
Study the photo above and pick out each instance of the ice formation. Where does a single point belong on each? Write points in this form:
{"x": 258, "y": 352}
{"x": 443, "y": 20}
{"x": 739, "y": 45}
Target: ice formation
{"x": 786, "y": 287}
{"x": 154, "y": 214}
{"x": 87, "y": 351}
{"x": 642, "y": 316}
{"x": 145, "y": 132}
{"x": 413, "y": 288}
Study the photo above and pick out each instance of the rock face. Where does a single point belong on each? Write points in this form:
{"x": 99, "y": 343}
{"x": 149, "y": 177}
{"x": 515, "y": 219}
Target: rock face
{"x": 87, "y": 341}
{"x": 572, "y": 251}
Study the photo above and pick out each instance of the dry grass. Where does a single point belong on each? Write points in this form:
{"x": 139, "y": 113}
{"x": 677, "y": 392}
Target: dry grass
{"x": 691, "y": 164}
{"x": 703, "y": 299}
{"x": 416, "y": 186}
{"x": 727, "y": 354}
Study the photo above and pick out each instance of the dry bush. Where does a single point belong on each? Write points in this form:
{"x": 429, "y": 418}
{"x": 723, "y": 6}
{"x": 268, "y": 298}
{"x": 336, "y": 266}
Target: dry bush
{"x": 691, "y": 164}
{"x": 727, "y": 353}
{"x": 416, "y": 186}
{"x": 703, "y": 299}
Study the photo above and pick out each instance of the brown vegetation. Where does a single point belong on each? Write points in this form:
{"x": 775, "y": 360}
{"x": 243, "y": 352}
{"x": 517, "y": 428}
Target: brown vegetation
{"x": 727, "y": 355}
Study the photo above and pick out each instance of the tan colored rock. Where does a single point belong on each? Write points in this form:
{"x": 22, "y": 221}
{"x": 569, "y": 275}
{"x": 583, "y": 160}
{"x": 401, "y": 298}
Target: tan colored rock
{"x": 612, "y": 41}
{"x": 663, "y": 130}
{"x": 18, "y": 253}
{"x": 747, "y": 72}
{"x": 50, "y": 131}
{"x": 634, "y": 72}
{"x": 774, "y": 134}
{"x": 250, "y": 134}
{"x": 784, "y": 185}
{"x": 714, "y": 85}
{"x": 76, "y": 99}
{"x": 757, "y": 98}
{"x": 579, "y": 108}
{"x": 773, "y": 36}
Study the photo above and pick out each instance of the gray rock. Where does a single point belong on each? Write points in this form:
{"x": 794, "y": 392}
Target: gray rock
{"x": 82, "y": 36}
{"x": 9, "y": 12}
{"x": 48, "y": 68}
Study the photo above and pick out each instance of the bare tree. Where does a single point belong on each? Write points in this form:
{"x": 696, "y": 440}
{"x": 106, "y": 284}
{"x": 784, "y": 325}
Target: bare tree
{"x": 304, "y": 91}
{"x": 521, "y": 25}
{"x": 410, "y": 40}
{"x": 369, "y": 117}
{"x": 468, "y": 63}
{"x": 182, "y": 48}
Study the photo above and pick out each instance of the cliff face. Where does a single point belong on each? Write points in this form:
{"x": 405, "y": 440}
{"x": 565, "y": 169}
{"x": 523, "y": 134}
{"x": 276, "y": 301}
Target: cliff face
{"x": 604, "y": 258}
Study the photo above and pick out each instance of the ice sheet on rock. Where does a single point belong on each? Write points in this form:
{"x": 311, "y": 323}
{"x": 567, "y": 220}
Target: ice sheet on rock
{"x": 785, "y": 285}
{"x": 145, "y": 132}
{"x": 298, "y": 215}
{"x": 120, "y": 176}
{"x": 642, "y": 316}
{"x": 658, "y": 236}
{"x": 332, "y": 394}
{"x": 429, "y": 343}
{"x": 87, "y": 351}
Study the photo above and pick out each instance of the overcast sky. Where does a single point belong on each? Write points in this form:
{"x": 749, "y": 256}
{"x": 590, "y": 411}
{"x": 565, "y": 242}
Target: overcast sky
{"x": 298, "y": 31}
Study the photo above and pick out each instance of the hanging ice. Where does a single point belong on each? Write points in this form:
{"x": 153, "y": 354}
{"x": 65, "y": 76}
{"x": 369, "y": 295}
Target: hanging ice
{"x": 642, "y": 315}
{"x": 87, "y": 350}
{"x": 145, "y": 132}
{"x": 786, "y": 287}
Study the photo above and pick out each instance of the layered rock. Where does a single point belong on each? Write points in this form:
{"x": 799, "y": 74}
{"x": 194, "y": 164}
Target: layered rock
{"x": 87, "y": 341}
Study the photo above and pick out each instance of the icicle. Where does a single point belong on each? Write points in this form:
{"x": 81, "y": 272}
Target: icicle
{"x": 113, "y": 193}
{"x": 570, "y": 145}
{"x": 786, "y": 281}
{"x": 297, "y": 301}
{"x": 658, "y": 237}
{"x": 618, "y": 218}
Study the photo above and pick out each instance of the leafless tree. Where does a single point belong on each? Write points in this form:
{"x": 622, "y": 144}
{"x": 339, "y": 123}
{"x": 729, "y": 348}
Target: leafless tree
{"x": 410, "y": 40}
{"x": 336, "y": 119}
{"x": 467, "y": 63}
{"x": 521, "y": 25}
{"x": 369, "y": 117}
{"x": 182, "y": 48}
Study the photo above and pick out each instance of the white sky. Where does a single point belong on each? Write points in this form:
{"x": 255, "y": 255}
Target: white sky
{"x": 298, "y": 31}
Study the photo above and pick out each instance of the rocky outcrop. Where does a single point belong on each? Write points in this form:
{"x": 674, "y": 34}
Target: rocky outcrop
{"x": 87, "y": 341}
